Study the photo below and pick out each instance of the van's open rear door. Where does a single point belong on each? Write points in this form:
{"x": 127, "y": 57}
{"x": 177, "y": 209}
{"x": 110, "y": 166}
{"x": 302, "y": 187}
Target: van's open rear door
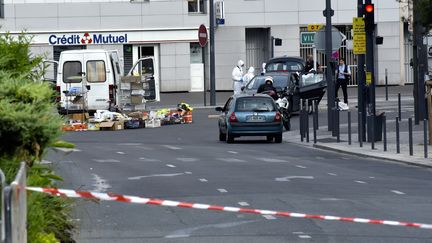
{"x": 146, "y": 68}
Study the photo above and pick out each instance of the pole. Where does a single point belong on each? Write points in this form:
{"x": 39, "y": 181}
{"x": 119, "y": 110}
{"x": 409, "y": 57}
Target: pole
{"x": 212, "y": 55}
{"x": 425, "y": 145}
{"x": 272, "y": 46}
{"x": 315, "y": 58}
{"x": 370, "y": 66}
{"x": 328, "y": 13}
{"x": 349, "y": 127}
{"x": 410, "y": 135}
{"x": 361, "y": 95}
{"x": 397, "y": 136}
{"x": 386, "y": 84}
{"x": 205, "y": 83}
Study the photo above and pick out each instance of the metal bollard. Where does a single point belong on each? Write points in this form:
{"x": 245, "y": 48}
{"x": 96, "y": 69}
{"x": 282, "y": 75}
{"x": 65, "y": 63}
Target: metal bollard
{"x": 425, "y": 140}
{"x": 307, "y": 121}
{"x": 315, "y": 123}
{"x": 373, "y": 132}
{"x": 399, "y": 107}
{"x": 385, "y": 132}
{"x": 337, "y": 124}
{"x": 360, "y": 130}
{"x": 410, "y": 136}
{"x": 316, "y": 116}
{"x": 349, "y": 127}
{"x": 397, "y": 136}
{"x": 301, "y": 120}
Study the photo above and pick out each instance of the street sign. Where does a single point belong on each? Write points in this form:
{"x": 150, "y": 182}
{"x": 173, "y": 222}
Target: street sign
{"x": 307, "y": 37}
{"x": 320, "y": 40}
{"x": 359, "y": 38}
{"x": 220, "y": 12}
{"x": 202, "y": 35}
{"x": 314, "y": 27}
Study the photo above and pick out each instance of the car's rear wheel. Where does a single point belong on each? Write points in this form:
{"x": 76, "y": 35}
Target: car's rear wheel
{"x": 222, "y": 136}
{"x": 269, "y": 138}
{"x": 230, "y": 138}
{"x": 278, "y": 138}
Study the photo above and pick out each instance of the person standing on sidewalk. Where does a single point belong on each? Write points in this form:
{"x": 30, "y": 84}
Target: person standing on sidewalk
{"x": 237, "y": 76}
{"x": 343, "y": 75}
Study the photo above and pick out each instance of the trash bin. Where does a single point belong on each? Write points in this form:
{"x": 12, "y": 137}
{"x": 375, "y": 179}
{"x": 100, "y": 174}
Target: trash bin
{"x": 377, "y": 127}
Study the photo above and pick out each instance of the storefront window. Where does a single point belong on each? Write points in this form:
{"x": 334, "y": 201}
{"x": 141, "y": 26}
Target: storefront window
{"x": 196, "y": 6}
{"x": 195, "y": 53}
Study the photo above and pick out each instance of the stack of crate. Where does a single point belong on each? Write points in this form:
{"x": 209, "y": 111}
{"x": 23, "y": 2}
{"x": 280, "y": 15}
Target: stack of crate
{"x": 131, "y": 97}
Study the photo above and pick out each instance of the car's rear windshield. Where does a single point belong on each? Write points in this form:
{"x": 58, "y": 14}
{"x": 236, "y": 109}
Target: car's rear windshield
{"x": 284, "y": 66}
{"x": 278, "y": 81}
{"x": 255, "y": 104}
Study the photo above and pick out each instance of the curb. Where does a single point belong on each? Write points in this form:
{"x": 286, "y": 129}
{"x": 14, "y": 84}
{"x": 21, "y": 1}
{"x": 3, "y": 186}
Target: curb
{"x": 338, "y": 150}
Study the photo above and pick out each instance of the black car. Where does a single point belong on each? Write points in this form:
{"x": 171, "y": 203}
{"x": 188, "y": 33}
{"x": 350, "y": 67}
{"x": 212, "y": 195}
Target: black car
{"x": 285, "y": 64}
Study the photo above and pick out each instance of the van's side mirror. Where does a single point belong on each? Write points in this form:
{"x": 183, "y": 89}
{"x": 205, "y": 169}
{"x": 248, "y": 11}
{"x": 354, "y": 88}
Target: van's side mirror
{"x": 219, "y": 109}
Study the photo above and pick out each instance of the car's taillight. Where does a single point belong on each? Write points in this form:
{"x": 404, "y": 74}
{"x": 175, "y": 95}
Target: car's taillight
{"x": 58, "y": 98}
{"x": 233, "y": 118}
{"x": 278, "y": 117}
{"x": 111, "y": 92}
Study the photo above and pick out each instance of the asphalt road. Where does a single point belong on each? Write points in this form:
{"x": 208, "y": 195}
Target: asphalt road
{"x": 188, "y": 163}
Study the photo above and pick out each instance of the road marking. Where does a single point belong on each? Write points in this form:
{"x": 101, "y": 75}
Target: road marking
{"x": 269, "y": 217}
{"x": 187, "y": 159}
{"x": 301, "y": 166}
{"x": 232, "y": 152}
{"x": 188, "y": 173}
{"x": 298, "y": 233}
{"x": 172, "y": 166}
{"x": 149, "y": 159}
{"x": 176, "y": 236}
{"x": 332, "y": 174}
{"x": 171, "y": 147}
{"x": 289, "y": 178}
{"x": 243, "y": 204}
{"x": 67, "y": 150}
{"x": 203, "y": 180}
{"x": 271, "y": 160}
{"x": 106, "y": 160}
{"x": 371, "y": 177}
{"x": 230, "y": 160}
{"x": 331, "y": 199}
{"x": 100, "y": 184}
{"x": 221, "y": 190}
{"x": 304, "y": 236}
{"x": 213, "y": 116}
{"x": 398, "y": 192}
{"x": 155, "y": 175}
{"x": 45, "y": 162}
{"x": 120, "y": 152}
{"x": 361, "y": 182}
{"x": 319, "y": 157}
{"x": 129, "y": 144}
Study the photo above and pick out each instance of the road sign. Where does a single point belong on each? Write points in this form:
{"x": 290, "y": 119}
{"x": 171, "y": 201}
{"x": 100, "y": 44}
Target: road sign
{"x": 307, "y": 37}
{"x": 202, "y": 35}
{"x": 359, "y": 36}
{"x": 320, "y": 40}
{"x": 220, "y": 12}
{"x": 314, "y": 27}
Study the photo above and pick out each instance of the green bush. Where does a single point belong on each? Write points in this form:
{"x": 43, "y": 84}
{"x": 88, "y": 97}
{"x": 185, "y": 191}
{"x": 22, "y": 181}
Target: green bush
{"x": 28, "y": 126}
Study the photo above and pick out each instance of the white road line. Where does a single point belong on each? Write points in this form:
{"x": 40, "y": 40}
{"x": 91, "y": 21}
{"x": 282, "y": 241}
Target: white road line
{"x": 332, "y": 174}
{"x": 289, "y": 178}
{"x": 203, "y": 180}
{"x": 120, "y": 152}
{"x": 149, "y": 159}
{"x": 319, "y": 157}
{"x": 106, "y": 160}
{"x": 298, "y": 233}
{"x": 176, "y": 236}
{"x": 269, "y": 217}
{"x": 129, "y": 144}
{"x": 155, "y": 175}
{"x": 272, "y": 160}
{"x": 171, "y": 147}
{"x": 301, "y": 166}
{"x": 361, "y": 182}
{"x": 398, "y": 192}
{"x": 371, "y": 177}
{"x": 330, "y": 199}
{"x": 172, "y": 166}
{"x": 221, "y": 190}
{"x": 231, "y": 160}
{"x": 304, "y": 236}
{"x": 232, "y": 152}
{"x": 243, "y": 204}
{"x": 188, "y": 173}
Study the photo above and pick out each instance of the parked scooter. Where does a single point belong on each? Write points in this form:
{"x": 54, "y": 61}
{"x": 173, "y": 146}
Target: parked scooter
{"x": 282, "y": 101}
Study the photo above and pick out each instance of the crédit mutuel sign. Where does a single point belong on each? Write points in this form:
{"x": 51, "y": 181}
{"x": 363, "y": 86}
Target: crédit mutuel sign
{"x": 87, "y": 38}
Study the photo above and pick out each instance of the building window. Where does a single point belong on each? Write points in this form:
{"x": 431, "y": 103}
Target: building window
{"x": 196, "y": 6}
{"x": 2, "y": 14}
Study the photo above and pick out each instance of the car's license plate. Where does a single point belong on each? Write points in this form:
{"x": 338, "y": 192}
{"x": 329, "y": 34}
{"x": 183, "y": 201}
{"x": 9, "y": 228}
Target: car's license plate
{"x": 255, "y": 118}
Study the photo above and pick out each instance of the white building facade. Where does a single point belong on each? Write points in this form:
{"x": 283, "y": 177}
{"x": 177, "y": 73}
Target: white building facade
{"x": 168, "y": 30}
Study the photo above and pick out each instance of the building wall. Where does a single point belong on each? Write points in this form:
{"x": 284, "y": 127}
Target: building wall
{"x": 175, "y": 67}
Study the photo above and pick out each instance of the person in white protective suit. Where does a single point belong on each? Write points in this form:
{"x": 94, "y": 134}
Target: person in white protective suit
{"x": 248, "y": 76}
{"x": 237, "y": 76}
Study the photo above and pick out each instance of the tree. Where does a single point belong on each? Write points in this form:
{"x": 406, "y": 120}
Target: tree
{"x": 423, "y": 8}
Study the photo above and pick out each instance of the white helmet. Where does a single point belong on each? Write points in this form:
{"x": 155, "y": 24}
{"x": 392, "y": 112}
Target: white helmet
{"x": 240, "y": 63}
{"x": 268, "y": 78}
{"x": 251, "y": 70}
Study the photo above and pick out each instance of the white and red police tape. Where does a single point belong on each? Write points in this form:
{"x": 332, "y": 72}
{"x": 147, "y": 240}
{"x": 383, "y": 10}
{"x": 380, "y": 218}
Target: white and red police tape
{"x": 168, "y": 203}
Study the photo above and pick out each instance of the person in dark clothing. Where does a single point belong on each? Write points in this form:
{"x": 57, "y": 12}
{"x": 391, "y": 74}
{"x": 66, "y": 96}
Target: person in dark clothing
{"x": 268, "y": 88}
{"x": 310, "y": 65}
{"x": 343, "y": 75}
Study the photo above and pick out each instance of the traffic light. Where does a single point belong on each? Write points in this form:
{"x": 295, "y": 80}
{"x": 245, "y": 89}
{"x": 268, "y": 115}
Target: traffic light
{"x": 369, "y": 16}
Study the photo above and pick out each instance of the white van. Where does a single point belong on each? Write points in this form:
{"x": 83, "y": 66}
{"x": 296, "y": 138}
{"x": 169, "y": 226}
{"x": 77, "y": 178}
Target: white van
{"x": 87, "y": 80}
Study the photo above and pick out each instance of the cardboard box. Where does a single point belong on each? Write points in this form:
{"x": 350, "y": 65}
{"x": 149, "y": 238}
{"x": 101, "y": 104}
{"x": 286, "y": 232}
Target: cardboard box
{"x": 138, "y": 86}
{"x": 136, "y": 99}
{"x": 111, "y": 126}
{"x": 153, "y": 123}
{"x": 131, "y": 79}
{"x": 118, "y": 125}
{"x": 78, "y": 117}
{"x": 125, "y": 86}
{"x": 94, "y": 126}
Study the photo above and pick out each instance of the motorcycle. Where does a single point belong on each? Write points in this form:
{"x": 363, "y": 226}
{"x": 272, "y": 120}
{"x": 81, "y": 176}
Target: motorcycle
{"x": 282, "y": 101}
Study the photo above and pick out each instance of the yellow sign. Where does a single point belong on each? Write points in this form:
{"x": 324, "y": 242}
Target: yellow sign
{"x": 314, "y": 27}
{"x": 359, "y": 39}
{"x": 368, "y": 78}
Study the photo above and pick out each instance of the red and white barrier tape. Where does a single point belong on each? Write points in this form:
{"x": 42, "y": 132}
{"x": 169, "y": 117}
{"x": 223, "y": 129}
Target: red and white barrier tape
{"x": 168, "y": 203}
